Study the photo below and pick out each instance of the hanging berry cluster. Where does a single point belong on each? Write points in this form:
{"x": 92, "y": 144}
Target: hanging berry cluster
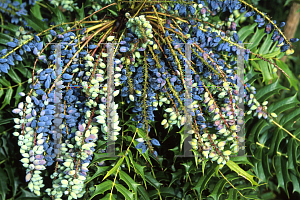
{"x": 149, "y": 74}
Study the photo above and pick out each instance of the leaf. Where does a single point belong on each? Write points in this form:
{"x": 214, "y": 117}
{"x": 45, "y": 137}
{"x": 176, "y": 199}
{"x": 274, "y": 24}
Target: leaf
{"x": 128, "y": 195}
{"x": 59, "y": 16}
{"x": 183, "y": 137}
{"x": 139, "y": 169}
{"x": 293, "y": 80}
{"x": 262, "y": 169}
{"x": 11, "y": 175}
{"x": 241, "y": 160}
{"x": 244, "y": 32}
{"x": 265, "y": 92}
{"x": 100, "y": 171}
{"x": 102, "y": 187}
{"x": 288, "y": 120}
{"x": 14, "y": 76}
{"x": 10, "y": 27}
{"x": 26, "y": 195}
{"x": 256, "y": 38}
{"x": 234, "y": 167}
{"x": 114, "y": 169}
{"x": 287, "y": 2}
{"x": 17, "y": 96}
{"x": 265, "y": 71}
{"x": 5, "y": 82}
{"x": 3, "y": 184}
{"x": 150, "y": 179}
{"x": 108, "y": 197}
{"x": 280, "y": 166}
{"x": 36, "y": 11}
{"x": 113, "y": 12}
{"x": 99, "y": 157}
{"x": 296, "y": 183}
{"x": 129, "y": 181}
{"x": 271, "y": 55}
{"x": 143, "y": 192}
{"x": 35, "y": 23}
{"x": 79, "y": 12}
{"x": 292, "y": 148}
{"x": 6, "y": 121}
{"x": 217, "y": 192}
{"x": 251, "y": 74}
{"x": 24, "y": 71}
{"x": 1, "y": 92}
{"x": 264, "y": 49}
{"x": 7, "y": 98}
{"x": 283, "y": 105}
{"x": 4, "y": 38}
{"x": 175, "y": 176}
{"x": 201, "y": 185}
{"x": 232, "y": 194}
{"x": 167, "y": 192}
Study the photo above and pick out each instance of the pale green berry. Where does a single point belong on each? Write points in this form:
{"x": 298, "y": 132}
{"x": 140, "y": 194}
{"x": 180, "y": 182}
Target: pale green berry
{"x": 273, "y": 115}
{"x": 16, "y": 134}
{"x": 227, "y": 153}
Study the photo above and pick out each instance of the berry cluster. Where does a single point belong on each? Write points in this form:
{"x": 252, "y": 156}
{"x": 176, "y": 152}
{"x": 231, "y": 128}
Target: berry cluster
{"x": 148, "y": 74}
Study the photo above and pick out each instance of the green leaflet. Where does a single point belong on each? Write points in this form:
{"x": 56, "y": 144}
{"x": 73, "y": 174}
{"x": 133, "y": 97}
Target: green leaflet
{"x": 36, "y": 11}
{"x": 10, "y": 27}
{"x": 3, "y": 184}
{"x": 14, "y": 76}
{"x": 246, "y": 31}
{"x": 59, "y": 17}
{"x": 232, "y": 194}
{"x": 262, "y": 169}
{"x": 143, "y": 193}
{"x": 36, "y": 23}
{"x": 183, "y": 137}
{"x": 4, "y": 38}
{"x": 164, "y": 192}
{"x": 102, "y": 187}
{"x": 280, "y": 165}
{"x": 277, "y": 137}
{"x": 129, "y": 181}
{"x": 218, "y": 189}
{"x": 7, "y": 98}
{"x": 98, "y": 157}
{"x": 233, "y": 166}
{"x": 128, "y": 195}
{"x": 269, "y": 90}
{"x": 150, "y": 179}
{"x": 79, "y": 12}
{"x": 176, "y": 176}
{"x": 108, "y": 197}
{"x": 262, "y": 128}
{"x": 283, "y": 105}
{"x": 251, "y": 75}
{"x": 264, "y": 49}
{"x": 295, "y": 182}
{"x": 201, "y": 185}
{"x": 256, "y": 38}
{"x": 114, "y": 169}
{"x": 292, "y": 156}
{"x": 288, "y": 120}
{"x": 292, "y": 80}
{"x": 138, "y": 169}
{"x": 265, "y": 71}
{"x": 100, "y": 171}
{"x": 17, "y": 96}
{"x": 241, "y": 160}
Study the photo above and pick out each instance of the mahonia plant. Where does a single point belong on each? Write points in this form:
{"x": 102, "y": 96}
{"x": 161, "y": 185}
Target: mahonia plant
{"x": 149, "y": 74}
